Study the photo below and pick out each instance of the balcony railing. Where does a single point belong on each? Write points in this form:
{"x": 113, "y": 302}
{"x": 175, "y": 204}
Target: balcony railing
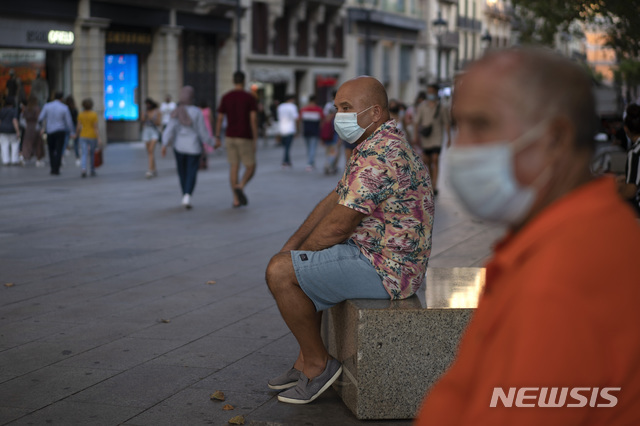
{"x": 449, "y": 40}
{"x": 469, "y": 24}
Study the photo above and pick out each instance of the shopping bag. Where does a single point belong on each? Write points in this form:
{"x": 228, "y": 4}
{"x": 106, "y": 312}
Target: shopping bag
{"x": 97, "y": 158}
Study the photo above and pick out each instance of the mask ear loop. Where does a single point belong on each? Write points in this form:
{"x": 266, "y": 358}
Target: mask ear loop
{"x": 365, "y": 110}
{"x": 526, "y": 139}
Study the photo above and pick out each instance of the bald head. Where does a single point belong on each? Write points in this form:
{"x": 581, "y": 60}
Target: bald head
{"x": 544, "y": 85}
{"x": 366, "y": 91}
{"x": 366, "y": 97}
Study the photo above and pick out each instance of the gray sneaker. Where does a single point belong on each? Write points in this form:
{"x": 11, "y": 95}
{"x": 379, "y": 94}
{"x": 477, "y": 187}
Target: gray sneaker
{"x": 307, "y": 390}
{"x": 286, "y": 380}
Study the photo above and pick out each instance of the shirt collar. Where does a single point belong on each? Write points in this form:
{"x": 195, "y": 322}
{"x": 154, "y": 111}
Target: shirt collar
{"x": 597, "y": 195}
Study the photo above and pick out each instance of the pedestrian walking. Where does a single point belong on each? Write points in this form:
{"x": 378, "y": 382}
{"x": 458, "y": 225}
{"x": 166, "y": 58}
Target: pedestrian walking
{"x": 88, "y": 136}
{"x": 151, "y": 134}
{"x": 207, "y": 115}
{"x": 287, "y": 121}
{"x": 57, "y": 119}
{"x": 240, "y": 110}
{"x": 186, "y": 132}
{"x": 311, "y": 116}
{"x": 9, "y": 133}
{"x": 432, "y": 125}
{"x": 32, "y": 143}
{"x": 71, "y": 103}
{"x": 166, "y": 108}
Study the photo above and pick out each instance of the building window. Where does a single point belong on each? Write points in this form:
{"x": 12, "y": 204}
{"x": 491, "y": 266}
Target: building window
{"x": 397, "y": 6}
{"x": 338, "y": 45}
{"x": 260, "y": 31}
{"x": 405, "y": 63}
{"x": 321, "y": 42}
{"x": 302, "y": 44}
{"x": 387, "y": 60}
{"x": 281, "y": 42}
{"x": 362, "y": 68}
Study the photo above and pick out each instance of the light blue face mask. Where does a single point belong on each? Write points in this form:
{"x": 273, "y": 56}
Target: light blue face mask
{"x": 347, "y": 127}
{"x": 484, "y": 179}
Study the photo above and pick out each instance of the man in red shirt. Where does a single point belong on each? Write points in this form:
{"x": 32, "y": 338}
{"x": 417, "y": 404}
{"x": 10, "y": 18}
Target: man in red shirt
{"x": 240, "y": 108}
{"x": 555, "y": 338}
{"x": 311, "y": 116}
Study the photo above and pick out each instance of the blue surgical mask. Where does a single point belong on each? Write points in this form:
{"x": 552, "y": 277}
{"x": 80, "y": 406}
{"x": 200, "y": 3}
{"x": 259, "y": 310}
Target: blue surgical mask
{"x": 484, "y": 179}
{"x": 431, "y": 97}
{"x": 347, "y": 127}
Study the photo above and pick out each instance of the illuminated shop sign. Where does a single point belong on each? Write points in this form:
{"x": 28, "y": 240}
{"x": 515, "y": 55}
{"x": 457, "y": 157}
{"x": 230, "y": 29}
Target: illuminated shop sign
{"x": 61, "y": 37}
{"x": 64, "y": 38}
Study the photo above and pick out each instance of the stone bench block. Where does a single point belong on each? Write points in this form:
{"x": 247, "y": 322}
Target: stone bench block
{"x": 394, "y": 351}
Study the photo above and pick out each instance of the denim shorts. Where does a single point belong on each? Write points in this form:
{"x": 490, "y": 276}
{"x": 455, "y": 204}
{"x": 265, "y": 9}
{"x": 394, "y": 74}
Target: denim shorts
{"x": 149, "y": 134}
{"x": 335, "y": 274}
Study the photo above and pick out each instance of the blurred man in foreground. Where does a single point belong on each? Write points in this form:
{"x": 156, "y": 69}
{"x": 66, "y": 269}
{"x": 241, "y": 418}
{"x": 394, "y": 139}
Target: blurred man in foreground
{"x": 555, "y": 339}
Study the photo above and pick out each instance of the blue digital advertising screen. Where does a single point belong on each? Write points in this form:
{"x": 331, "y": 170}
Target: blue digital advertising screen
{"x": 120, "y": 87}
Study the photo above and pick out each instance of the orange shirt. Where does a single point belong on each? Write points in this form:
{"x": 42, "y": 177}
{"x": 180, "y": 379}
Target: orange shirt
{"x": 561, "y": 308}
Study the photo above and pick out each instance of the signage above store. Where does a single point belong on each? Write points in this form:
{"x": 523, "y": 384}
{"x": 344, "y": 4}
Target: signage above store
{"x": 64, "y": 38}
{"x": 36, "y": 33}
{"x": 61, "y": 37}
{"x": 122, "y": 41}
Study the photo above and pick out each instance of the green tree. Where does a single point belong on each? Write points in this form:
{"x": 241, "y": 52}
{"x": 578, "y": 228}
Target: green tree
{"x": 541, "y": 20}
{"x": 628, "y": 72}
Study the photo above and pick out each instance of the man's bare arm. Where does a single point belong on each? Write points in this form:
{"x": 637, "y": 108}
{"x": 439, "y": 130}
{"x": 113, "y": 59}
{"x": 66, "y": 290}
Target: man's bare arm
{"x": 219, "y": 124}
{"x": 334, "y": 228}
{"x": 253, "y": 117}
{"x": 216, "y": 135}
{"x": 319, "y": 212}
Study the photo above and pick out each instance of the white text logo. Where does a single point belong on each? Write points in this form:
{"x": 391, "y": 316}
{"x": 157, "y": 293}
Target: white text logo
{"x": 554, "y": 397}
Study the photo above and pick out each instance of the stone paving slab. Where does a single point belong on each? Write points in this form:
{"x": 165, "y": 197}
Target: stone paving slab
{"x": 99, "y": 263}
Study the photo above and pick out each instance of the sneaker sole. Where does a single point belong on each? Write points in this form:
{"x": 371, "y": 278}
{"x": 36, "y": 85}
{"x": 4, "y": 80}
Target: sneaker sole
{"x": 322, "y": 389}
{"x": 282, "y": 387}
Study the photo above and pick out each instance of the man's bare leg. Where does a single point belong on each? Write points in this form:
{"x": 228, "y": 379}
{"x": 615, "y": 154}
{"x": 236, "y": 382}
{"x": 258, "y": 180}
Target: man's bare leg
{"x": 233, "y": 180}
{"x": 249, "y": 172}
{"x": 299, "y": 313}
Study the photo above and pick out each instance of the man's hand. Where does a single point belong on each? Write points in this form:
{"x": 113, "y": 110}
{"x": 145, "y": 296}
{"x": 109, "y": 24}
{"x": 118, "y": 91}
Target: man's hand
{"x": 163, "y": 151}
{"x": 626, "y": 190}
{"x": 218, "y": 143}
{"x": 334, "y": 228}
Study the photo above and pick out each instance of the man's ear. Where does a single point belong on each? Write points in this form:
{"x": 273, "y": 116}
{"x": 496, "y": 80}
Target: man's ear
{"x": 377, "y": 113}
{"x": 562, "y": 134}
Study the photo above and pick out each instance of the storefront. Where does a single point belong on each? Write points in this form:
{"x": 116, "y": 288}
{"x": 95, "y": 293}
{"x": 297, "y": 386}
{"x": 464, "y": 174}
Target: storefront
{"x": 30, "y": 47}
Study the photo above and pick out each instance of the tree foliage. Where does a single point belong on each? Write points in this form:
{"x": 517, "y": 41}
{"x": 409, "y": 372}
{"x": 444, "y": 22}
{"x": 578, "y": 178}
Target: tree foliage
{"x": 541, "y": 20}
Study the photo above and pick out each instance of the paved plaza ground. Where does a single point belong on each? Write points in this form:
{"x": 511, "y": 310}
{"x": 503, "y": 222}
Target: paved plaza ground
{"x": 127, "y": 309}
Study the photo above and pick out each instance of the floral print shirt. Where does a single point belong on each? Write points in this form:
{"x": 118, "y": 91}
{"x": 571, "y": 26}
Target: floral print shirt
{"x": 389, "y": 183}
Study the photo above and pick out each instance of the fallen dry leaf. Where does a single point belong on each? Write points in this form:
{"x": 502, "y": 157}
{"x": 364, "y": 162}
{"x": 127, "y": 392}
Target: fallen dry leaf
{"x": 217, "y": 395}
{"x": 228, "y": 407}
{"x": 211, "y": 282}
{"x": 9, "y": 285}
{"x": 165, "y": 321}
{"x": 237, "y": 420}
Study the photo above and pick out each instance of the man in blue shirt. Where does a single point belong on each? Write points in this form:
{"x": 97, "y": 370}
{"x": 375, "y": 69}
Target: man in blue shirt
{"x": 58, "y": 121}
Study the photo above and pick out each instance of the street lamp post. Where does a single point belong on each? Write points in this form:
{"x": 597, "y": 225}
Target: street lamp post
{"x": 440, "y": 26}
{"x": 486, "y": 39}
